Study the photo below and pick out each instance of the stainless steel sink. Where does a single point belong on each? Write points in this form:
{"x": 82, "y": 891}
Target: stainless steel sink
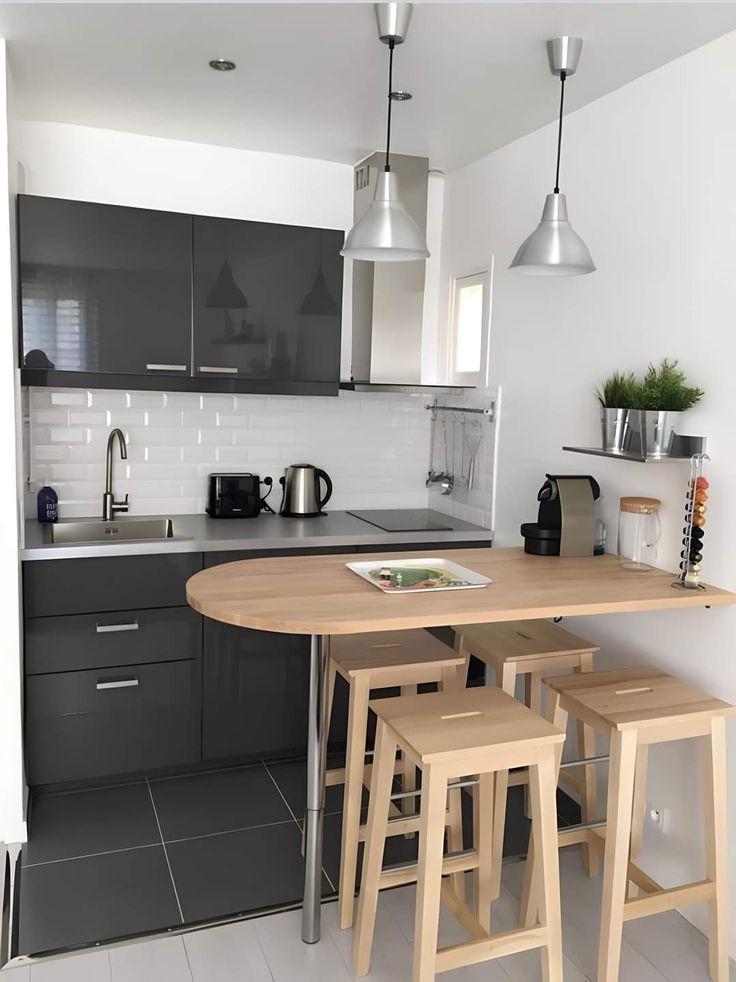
{"x": 115, "y": 531}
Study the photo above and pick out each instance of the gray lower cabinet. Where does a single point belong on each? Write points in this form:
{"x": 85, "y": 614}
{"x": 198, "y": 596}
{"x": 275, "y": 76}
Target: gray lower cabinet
{"x": 255, "y": 692}
{"x": 102, "y": 722}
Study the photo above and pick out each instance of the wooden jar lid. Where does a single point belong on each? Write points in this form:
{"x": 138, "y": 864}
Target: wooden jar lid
{"x": 640, "y": 506}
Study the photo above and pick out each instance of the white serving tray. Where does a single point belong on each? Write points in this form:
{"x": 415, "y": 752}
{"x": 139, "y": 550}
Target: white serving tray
{"x": 453, "y": 577}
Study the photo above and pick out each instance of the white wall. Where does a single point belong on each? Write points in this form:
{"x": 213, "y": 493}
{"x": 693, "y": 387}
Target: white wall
{"x": 649, "y": 175}
{"x": 12, "y": 819}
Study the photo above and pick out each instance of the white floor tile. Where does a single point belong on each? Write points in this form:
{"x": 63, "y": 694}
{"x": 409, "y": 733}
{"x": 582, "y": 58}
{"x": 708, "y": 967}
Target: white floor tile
{"x": 92, "y": 966}
{"x": 21, "y": 973}
{"x": 151, "y": 961}
{"x": 289, "y": 959}
{"x": 231, "y": 953}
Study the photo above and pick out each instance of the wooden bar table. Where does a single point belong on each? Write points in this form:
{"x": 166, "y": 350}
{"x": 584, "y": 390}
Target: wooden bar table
{"x": 319, "y": 596}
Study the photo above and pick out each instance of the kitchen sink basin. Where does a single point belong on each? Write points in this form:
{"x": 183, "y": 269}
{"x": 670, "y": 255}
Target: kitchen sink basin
{"x": 121, "y": 529}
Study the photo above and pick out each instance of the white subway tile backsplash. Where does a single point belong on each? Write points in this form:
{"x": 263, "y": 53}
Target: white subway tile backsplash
{"x": 375, "y": 447}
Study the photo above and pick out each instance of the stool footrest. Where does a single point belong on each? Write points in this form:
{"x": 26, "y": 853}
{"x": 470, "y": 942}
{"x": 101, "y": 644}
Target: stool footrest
{"x": 662, "y": 900}
{"x": 399, "y": 825}
{"x": 400, "y": 873}
{"x": 493, "y": 946}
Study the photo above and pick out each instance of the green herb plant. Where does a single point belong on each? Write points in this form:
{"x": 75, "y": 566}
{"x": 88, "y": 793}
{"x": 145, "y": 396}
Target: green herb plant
{"x": 665, "y": 389}
{"x": 619, "y": 391}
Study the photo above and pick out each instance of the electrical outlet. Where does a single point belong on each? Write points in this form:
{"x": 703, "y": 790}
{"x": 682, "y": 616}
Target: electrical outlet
{"x": 658, "y": 818}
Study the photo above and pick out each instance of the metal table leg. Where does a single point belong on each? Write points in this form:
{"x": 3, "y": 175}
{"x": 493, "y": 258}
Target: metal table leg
{"x": 316, "y": 762}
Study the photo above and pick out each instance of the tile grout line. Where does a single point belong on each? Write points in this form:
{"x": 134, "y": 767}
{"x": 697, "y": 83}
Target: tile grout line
{"x": 166, "y": 854}
{"x": 301, "y": 830}
{"x": 212, "y": 835}
{"x": 186, "y": 955}
{"x": 91, "y": 855}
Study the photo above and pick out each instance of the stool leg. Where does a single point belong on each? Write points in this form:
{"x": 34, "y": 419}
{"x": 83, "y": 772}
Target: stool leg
{"x": 589, "y": 784}
{"x": 533, "y": 699}
{"x": 713, "y": 765}
{"x": 638, "y": 811}
{"x": 429, "y": 880}
{"x": 484, "y": 894}
{"x": 408, "y": 771}
{"x": 455, "y": 840}
{"x": 380, "y": 796}
{"x": 543, "y": 795}
{"x": 352, "y": 798}
{"x": 462, "y": 670}
{"x": 507, "y": 682}
{"x": 622, "y": 766}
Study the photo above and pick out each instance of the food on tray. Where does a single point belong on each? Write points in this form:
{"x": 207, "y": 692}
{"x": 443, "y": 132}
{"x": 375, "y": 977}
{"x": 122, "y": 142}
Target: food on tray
{"x": 415, "y": 578}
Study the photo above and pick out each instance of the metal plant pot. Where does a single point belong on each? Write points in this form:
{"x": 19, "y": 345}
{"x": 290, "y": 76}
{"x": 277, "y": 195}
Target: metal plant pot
{"x": 657, "y": 430}
{"x": 615, "y": 430}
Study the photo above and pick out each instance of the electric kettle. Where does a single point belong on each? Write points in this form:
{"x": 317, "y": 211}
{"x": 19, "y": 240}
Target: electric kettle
{"x": 301, "y": 491}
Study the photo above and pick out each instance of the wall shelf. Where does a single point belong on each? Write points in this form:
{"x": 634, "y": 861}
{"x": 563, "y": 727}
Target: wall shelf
{"x": 683, "y": 449}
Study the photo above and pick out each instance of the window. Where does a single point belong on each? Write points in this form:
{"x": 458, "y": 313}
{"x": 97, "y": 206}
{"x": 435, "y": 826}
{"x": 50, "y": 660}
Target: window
{"x": 468, "y": 336}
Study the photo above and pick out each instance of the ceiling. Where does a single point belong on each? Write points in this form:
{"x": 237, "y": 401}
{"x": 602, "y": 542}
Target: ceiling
{"x": 311, "y": 78}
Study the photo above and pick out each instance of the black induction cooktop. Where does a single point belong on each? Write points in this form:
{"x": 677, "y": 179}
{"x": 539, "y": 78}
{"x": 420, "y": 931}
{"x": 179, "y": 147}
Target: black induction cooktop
{"x": 403, "y": 520}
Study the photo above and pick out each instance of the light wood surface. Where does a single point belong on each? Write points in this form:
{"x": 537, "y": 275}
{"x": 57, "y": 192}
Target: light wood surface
{"x": 381, "y": 652}
{"x": 521, "y": 641}
{"x": 320, "y": 595}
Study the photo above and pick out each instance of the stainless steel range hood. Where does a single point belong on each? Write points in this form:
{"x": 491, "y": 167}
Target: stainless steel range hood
{"x": 387, "y": 299}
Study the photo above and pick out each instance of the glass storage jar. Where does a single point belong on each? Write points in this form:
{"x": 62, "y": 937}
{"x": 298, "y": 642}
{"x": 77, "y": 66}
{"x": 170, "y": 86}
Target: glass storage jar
{"x": 638, "y": 532}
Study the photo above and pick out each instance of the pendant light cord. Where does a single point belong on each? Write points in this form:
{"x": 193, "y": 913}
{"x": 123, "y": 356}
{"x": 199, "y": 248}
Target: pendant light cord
{"x": 563, "y": 76}
{"x": 391, "y": 46}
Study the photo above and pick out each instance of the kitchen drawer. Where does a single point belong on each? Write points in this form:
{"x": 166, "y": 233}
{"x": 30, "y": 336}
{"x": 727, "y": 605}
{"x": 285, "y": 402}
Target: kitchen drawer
{"x": 85, "y": 586}
{"x": 143, "y": 718}
{"x": 217, "y": 558}
{"x": 133, "y": 637}
{"x": 428, "y": 548}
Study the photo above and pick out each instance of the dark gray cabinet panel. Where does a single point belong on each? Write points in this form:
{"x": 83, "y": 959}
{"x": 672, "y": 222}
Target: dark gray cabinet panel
{"x": 428, "y": 548}
{"x": 82, "y": 725}
{"x": 217, "y": 558}
{"x": 255, "y": 692}
{"x": 104, "y": 289}
{"x": 132, "y": 637}
{"x": 84, "y": 586}
{"x": 267, "y": 301}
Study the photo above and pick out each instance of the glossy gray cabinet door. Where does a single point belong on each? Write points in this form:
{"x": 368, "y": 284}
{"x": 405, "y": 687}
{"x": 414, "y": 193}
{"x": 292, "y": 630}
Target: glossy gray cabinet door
{"x": 267, "y": 301}
{"x": 103, "y": 288}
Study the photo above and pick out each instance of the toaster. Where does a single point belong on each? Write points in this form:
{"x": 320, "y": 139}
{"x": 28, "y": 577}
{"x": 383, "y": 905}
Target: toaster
{"x": 233, "y": 495}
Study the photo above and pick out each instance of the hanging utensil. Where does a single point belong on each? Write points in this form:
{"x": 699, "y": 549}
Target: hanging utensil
{"x": 475, "y": 437}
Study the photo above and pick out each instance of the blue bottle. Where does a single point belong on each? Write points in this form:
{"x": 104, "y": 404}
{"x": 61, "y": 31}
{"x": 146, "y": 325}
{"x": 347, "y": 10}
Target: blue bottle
{"x": 48, "y": 505}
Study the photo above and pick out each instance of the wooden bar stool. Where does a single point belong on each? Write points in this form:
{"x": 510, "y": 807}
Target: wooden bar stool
{"x": 374, "y": 661}
{"x": 447, "y": 735}
{"x": 637, "y": 707}
{"x": 529, "y": 649}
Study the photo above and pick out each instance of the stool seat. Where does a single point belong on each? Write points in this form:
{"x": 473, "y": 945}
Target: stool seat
{"x": 453, "y": 726}
{"x": 634, "y": 698}
{"x": 521, "y": 640}
{"x": 384, "y": 652}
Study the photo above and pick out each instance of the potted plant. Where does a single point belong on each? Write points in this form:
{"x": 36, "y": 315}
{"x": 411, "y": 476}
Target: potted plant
{"x": 618, "y": 395}
{"x": 663, "y": 395}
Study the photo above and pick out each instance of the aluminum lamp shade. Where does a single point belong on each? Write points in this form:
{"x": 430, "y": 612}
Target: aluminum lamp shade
{"x": 554, "y": 248}
{"x": 387, "y": 232}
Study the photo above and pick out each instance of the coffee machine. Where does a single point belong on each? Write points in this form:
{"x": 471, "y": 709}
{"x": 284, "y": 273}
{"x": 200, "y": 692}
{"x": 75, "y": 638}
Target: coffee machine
{"x": 565, "y": 524}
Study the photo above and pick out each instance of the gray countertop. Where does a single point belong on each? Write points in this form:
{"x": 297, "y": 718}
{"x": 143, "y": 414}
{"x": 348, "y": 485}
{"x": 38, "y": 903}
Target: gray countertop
{"x": 199, "y": 533}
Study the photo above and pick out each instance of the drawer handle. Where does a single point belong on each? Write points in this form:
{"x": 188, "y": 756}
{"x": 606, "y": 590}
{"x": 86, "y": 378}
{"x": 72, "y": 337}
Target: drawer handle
{"x": 166, "y": 368}
{"x": 117, "y": 684}
{"x": 116, "y": 628}
{"x": 217, "y": 371}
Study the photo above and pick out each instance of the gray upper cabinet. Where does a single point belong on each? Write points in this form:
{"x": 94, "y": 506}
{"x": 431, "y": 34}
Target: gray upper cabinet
{"x": 267, "y": 303}
{"x": 104, "y": 289}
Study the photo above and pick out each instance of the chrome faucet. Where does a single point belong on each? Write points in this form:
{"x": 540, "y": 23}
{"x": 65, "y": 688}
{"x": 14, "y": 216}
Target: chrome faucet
{"x": 109, "y": 505}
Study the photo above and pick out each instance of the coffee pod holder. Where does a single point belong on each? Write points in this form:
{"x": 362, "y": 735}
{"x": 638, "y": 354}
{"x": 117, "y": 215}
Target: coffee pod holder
{"x": 696, "y": 507}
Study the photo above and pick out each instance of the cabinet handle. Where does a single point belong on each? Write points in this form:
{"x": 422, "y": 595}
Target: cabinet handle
{"x": 217, "y": 371}
{"x": 117, "y": 683}
{"x": 166, "y": 368}
{"x": 115, "y": 628}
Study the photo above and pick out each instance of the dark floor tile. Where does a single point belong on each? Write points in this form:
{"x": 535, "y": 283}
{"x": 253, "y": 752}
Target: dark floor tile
{"x": 398, "y": 849}
{"x": 220, "y": 801}
{"x": 239, "y": 872}
{"x": 82, "y": 901}
{"x": 82, "y": 823}
{"x": 291, "y": 777}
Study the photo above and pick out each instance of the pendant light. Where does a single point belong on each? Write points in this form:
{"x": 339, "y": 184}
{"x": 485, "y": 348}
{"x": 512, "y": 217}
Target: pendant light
{"x": 555, "y": 248}
{"x": 387, "y": 232}
{"x": 319, "y": 300}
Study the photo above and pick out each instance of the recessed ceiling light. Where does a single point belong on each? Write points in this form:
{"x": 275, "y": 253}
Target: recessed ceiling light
{"x": 400, "y": 95}
{"x": 222, "y": 65}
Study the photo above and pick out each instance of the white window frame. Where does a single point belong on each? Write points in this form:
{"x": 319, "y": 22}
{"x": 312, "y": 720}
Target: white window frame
{"x": 485, "y": 278}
